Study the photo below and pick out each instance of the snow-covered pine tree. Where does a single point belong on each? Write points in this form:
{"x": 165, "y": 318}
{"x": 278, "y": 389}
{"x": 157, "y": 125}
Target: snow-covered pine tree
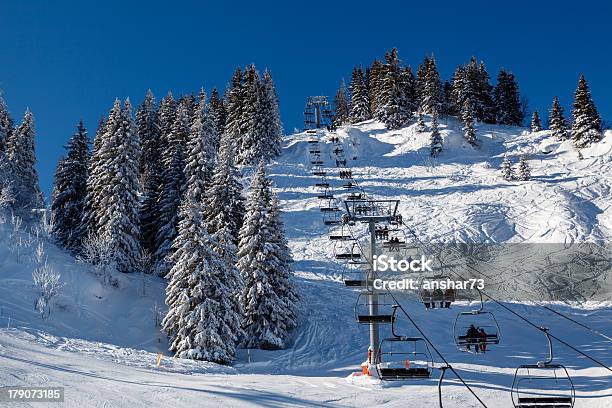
{"x": 507, "y": 100}
{"x": 264, "y": 311}
{"x": 459, "y": 87}
{"x": 69, "y": 191}
{"x": 435, "y": 138}
{"x": 147, "y": 122}
{"x": 271, "y": 144}
{"x": 507, "y": 170}
{"x": 282, "y": 272}
{"x": 586, "y": 127}
{"x": 557, "y": 122}
{"x": 485, "y": 96}
{"x": 375, "y": 81}
{"x": 235, "y": 103}
{"x": 409, "y": 97}
{"x": 420, "y": 124}
{"x": 173, "y": 184}
{"x": 471, "y": 81}
{"x": 204, "y": 131}
{"x": 467, "y": 117}
{"x": 536, "y": 123}
{"x": 430, "y": 87}
{"x": 360, "y": 105}
{"x": 120, "y": 221}
{"x": 224, "y": 210}
{"x": 219, "y": 114}
{"x": 188, "y": 102}
{"x": 252, "y": 121}
{"x": 449, "y": 107}
{"x": 341, "y": 105}
{"x": 204, "y": 315}
{"x": 524, "y": 172}
{"x": 6, "y": 175}
{"x": 21, "y": 153}
{"x": 98, "y": 160}
{"x": 6, "y": 125}
{"x": 390, "y": 109}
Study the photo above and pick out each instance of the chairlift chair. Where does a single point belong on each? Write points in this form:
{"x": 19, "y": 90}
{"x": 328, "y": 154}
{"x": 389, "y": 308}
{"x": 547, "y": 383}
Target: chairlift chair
{"x": 332, "y": 218}
{"x": 354, "y": 275}
{"x": 328, "y": 204}
{"x": 364, "y": 313}
{"x": 318, "y": 170}
{"x": 544, "y": 384}
{"x": 325, "y": 196}
{"x": 477, "y": 328}
{"x": 348, "y": 253}
{"x": 394, "y": 244}
{"x": 341, "y": 233}
{"x": 354, "y": 196}
{"x": 402, "y": 357}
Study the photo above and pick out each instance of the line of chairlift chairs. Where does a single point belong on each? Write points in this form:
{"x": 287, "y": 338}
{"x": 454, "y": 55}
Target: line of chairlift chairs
{"x": 541, "y": 385}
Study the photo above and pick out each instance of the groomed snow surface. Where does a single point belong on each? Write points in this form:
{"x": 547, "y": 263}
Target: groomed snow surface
{"x": 101, "y": 343}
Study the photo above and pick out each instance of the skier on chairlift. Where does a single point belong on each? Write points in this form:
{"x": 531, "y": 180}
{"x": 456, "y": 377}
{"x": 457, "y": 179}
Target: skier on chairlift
{"x": 427, "y": 299}
{"x": 438, "y": 296}
{"x": 472, "y": 338}
{"x": 482, "y": 335}
{"x": 449, "y": 297}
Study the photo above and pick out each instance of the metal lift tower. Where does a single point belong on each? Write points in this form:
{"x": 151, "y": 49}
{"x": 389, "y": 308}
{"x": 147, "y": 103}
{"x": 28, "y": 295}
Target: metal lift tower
{"x": 317, "y": 113}
{"x": 372, "y": 212}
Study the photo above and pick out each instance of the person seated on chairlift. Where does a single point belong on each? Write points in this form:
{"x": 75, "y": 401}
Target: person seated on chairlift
{"x": 426, "y": 299}
{"x": 482, "y": 335}
{"x": 438, "y": 296}
{"x": 449, "y": 297}
{"x": 472, "y": 335}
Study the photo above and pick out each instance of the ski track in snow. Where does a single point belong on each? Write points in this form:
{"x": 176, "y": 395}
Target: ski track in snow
{"x": 102, "y": 344}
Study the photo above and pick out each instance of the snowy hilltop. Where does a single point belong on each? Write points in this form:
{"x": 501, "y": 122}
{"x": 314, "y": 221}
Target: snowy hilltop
{"x": 462, "y": 196}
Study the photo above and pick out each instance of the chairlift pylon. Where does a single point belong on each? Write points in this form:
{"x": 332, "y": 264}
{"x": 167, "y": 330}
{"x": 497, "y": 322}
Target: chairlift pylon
{"x": 544, "y": 384}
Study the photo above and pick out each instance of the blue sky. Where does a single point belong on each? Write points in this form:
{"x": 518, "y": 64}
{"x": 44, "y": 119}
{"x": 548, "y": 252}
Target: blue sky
{"x": 69, "y": 60}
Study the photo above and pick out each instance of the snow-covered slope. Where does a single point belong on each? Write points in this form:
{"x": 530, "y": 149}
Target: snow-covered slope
{"x": 101, "y": 343}
{"x": 461, "y": 197}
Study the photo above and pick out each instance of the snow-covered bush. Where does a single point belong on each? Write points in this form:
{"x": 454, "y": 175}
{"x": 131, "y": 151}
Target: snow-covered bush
{"x": 47, "y": 282}
{"x": 43, "y": 229}
{"x": 98, "y": 251}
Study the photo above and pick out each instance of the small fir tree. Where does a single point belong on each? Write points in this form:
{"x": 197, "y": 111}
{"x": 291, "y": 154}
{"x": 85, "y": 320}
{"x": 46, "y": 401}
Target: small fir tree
{"x": 524, "y": 172}
{"x": 507, "y": 170}
{"x": 436, "y": 138}
{"x": 557, "y": 122}
{"x": 586, "y": 127}
{"x": 469, "y": 131}
{"x": 536, "y": 123}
